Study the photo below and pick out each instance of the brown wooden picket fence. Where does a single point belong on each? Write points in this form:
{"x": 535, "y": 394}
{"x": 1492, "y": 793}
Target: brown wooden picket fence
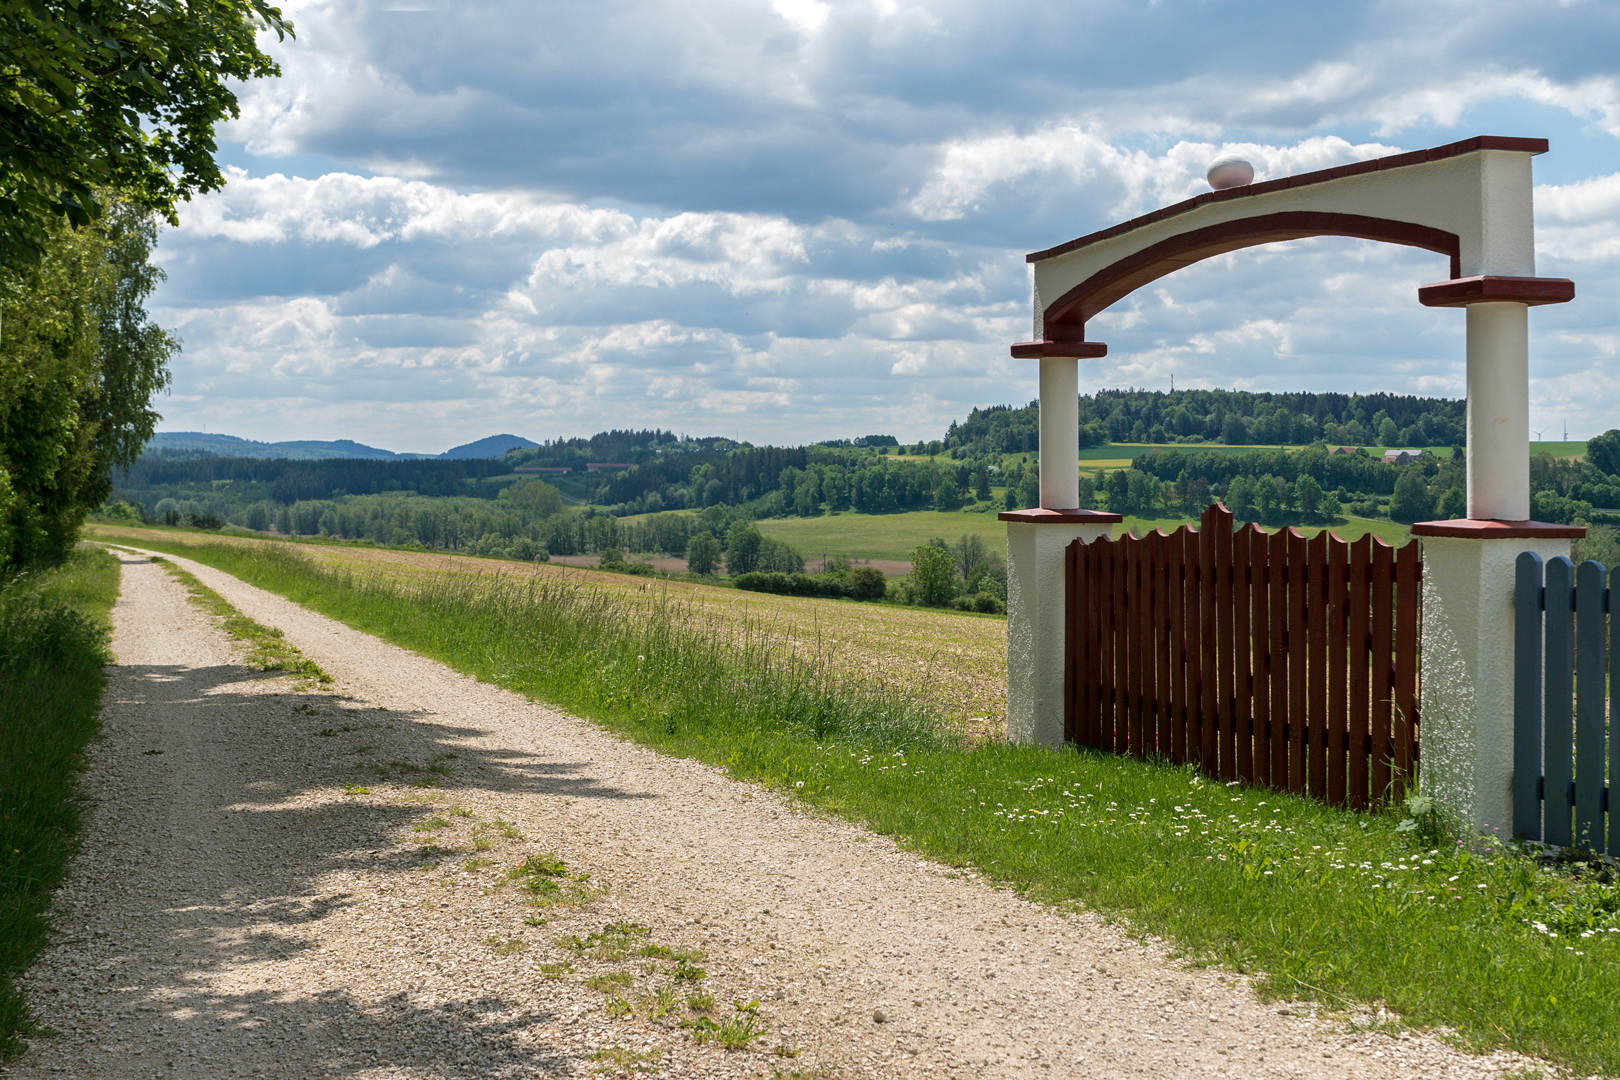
{"x": 1264, "y": 657}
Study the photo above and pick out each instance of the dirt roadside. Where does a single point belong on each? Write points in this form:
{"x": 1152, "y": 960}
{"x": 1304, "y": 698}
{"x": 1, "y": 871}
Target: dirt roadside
{"x": 236, "y": 912}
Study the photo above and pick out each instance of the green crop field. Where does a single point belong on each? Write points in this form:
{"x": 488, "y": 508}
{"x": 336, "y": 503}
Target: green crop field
{"x": 880, "y": 536}
{"x": 893, "y": 536}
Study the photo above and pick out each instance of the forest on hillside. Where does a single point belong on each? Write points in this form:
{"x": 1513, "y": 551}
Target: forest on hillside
{"x": 1234, "y": 417}
{"x": 678, "y": 487}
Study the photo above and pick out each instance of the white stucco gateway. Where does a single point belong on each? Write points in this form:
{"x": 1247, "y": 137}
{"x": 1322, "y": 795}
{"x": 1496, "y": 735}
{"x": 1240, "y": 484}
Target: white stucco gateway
{"x": 1469, "y": 202}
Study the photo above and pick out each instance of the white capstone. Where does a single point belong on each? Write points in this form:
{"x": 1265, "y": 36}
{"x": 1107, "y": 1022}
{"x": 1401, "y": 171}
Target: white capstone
{"x": 1230, "y": 172}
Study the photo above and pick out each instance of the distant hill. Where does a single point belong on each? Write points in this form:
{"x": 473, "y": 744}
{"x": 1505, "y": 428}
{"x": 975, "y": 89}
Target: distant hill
{"x": 315, "y": 450}
{"x": 493, "y": 446}
{"x": 301, "y": 450}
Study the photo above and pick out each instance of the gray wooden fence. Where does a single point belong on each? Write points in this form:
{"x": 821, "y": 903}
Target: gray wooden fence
{"x": 1564, "y": 751}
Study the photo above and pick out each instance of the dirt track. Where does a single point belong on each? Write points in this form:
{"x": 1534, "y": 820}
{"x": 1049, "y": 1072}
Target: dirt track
{"x": 236, "y": 913}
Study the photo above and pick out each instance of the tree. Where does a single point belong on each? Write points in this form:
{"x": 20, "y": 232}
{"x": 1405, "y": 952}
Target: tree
{"x": 981, "y": 481}
{"x": 1240, "y": 498}
{"x": 932, "y": 581}
{"x": 948, "y": 495}
{"x": 534, "y": 498}
{"x": 1411, "y": 500}
{"x": 1453, "y": 504}
{"x": 968, "y": 552}
{"x": 1603, "y": 452}
{"x": 78, "y": 369}
{"x": 115, "y": 96}
{"x": 743, "y": 549}
{"x": 703, "y": 553}
{"x": 1308, "y": 498}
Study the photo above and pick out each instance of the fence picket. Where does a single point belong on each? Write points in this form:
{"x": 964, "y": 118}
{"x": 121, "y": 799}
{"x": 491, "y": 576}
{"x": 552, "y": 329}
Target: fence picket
{"x": 1338, "y": 662}
{"x": 1589, "y": 694}
{"x": 1260, "y": 639}
{"x": 1408, "y": 582}
{"x": 1317, "y": 613}
{"x": 1176, "y": 745}
{"x": 1613, "y": 847}
{"x": 1281, "y": 715}
{"x": 1382, "y": 690}
{"x": 1209, "y": 676}
{"x": 1558, "y": 719}
{"x": 1527, "y": 666}
{"x": 1164, "y": 593}
{"x": 1248, "y": 539}
{"x": 1226, "y": 653}
{"x": 1299, "y": 707}
{"x": 1359, "y": 747}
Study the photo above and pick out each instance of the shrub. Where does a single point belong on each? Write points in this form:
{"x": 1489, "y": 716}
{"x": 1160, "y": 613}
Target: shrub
{"x": 866, "y": 583}
{"x": 789, "y": 584}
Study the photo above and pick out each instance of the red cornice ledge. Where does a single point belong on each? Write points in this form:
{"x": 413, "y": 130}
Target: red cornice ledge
{"x": 1040, "y": 350}
{"x": 1043, "y": 515}
{"x": 1487, "y": 529}
{"x": 1489, "y": 289}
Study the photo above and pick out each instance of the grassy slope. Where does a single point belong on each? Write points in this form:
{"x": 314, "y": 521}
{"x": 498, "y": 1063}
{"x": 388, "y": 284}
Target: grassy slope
{"x": 1327, "y": 904}
{"x": 52, "y": 647}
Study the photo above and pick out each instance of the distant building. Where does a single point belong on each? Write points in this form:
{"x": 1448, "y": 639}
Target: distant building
{"x": 1402, "y": 457}
{"x": 594, "y": 466}
{"x": 1345, "y": 450}
{"x": 545, "y": 470}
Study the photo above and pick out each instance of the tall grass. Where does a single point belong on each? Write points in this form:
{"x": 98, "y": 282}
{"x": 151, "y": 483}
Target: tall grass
{"x": 647, "y": 660}
{"x": 1346, "y": 909}
{"x": 52, "y": 648}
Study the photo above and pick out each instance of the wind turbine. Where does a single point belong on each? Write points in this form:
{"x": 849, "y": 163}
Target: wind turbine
{"x": 1538, "y": 434}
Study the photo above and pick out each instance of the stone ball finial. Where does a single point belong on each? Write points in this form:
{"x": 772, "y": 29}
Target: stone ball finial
{"x": 1230, "y": 172}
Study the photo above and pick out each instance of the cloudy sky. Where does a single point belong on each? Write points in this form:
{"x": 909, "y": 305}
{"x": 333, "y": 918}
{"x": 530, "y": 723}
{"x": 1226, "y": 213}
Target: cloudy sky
{"x": 787, "y": 220}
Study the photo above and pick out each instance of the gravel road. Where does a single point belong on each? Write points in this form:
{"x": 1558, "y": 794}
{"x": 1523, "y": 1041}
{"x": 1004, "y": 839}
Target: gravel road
{"x": 237, "y": 912}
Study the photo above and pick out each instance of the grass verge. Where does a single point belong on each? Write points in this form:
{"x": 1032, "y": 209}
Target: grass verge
{"x": 53, "y": 634}
{"x": 1348, "y": 910}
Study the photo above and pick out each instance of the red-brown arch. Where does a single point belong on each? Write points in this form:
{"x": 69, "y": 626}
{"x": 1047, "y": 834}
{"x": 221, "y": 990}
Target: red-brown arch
{"x": 1065, "y": 319}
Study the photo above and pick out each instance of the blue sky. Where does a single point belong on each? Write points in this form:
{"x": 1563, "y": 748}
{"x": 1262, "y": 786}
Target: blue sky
{"x": 789, "y": 220}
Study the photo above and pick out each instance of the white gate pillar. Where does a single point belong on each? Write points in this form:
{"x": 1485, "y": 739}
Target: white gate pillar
{"x": 1468, "y": 564}
{"x": 1036, "y": 542}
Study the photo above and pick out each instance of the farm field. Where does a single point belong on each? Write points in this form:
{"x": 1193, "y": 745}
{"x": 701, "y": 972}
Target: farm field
{"x": 893, "y": 536}
{"x": 956, "y": 661}
{"x": 881, "y": 536}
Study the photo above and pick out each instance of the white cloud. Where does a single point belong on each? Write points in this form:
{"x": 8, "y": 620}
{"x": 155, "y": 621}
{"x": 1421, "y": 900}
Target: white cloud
{"x": 800, "y": 218}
